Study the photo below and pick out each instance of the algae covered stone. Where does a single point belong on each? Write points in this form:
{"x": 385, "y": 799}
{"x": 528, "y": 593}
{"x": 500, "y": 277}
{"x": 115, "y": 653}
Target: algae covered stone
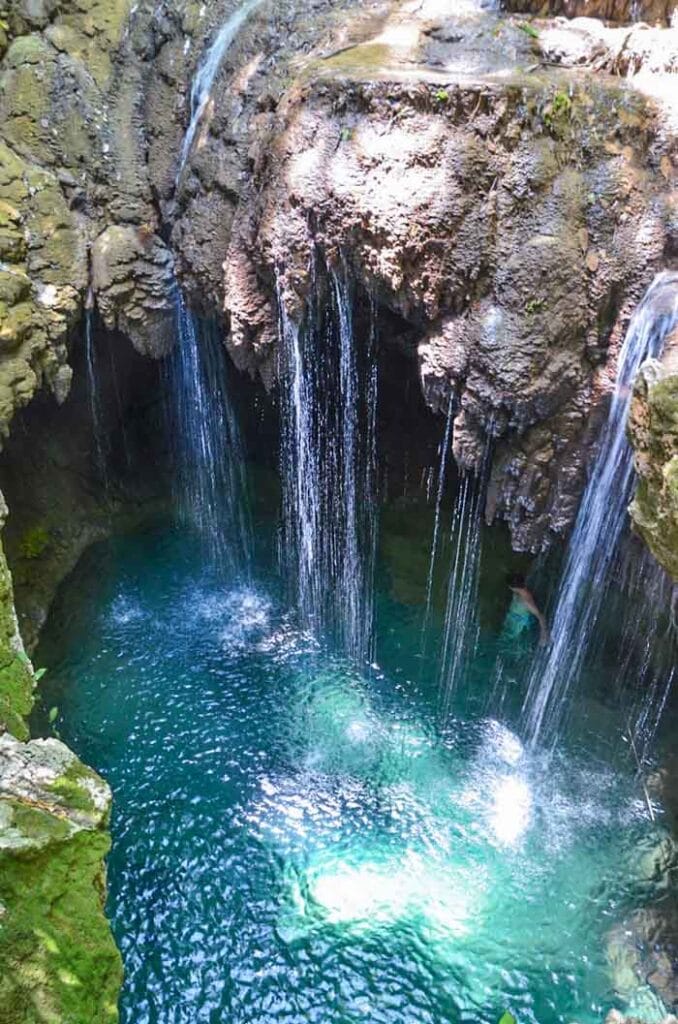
{"x": 58, "y": 961}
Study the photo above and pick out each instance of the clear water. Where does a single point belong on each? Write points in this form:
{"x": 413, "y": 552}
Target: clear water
{"x": 295, "y": 841}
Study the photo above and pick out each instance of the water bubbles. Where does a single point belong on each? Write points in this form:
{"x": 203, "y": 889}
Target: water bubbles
{"x": 248, "y": 618}
{"x": 125, "y": 610}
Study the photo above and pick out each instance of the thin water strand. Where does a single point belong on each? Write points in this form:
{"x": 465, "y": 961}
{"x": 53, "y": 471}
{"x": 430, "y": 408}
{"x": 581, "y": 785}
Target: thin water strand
{"x": 201, "y": 89}
{"x": 600, "y": 521}
{"x": 442, "y": 473}
{"x": 210, "y": 479}
{"x": 461, "y": 628}
{"x": 93, "y": 397}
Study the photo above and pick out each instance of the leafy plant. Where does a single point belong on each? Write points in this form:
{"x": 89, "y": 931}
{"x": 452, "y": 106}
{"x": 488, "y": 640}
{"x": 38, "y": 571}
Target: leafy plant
{"x": 507, "y": 1018}
{"x": 346, "y": 134}
{"x": 38, "y": 674}
{"x": 533, "y": 306}
{"x": 530, "y": 31}
{"x": 558, "y": 110}
{"x": 53, "y": 715}
{"x": 34, "y": 542}
{"x": 441, "y": 96}
{"x": 561, "y": 104}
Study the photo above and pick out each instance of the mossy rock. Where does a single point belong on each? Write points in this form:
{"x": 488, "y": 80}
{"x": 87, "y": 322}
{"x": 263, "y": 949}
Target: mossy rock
{"x": 16, "y": 673}
{"x": 58, "y": 961}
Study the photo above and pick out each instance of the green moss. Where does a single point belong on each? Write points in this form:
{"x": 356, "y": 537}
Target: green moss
{"x": 34, "y": 542}
{"x": 556, "y": 114}
{"x": 663, "y": 400}
{"x": 72, "y": 788}
{"x": 16, "y": 674}
{"x": 534, "y": 306}
{"x": 16, "y": 696}
{"x": 58, "y": 961}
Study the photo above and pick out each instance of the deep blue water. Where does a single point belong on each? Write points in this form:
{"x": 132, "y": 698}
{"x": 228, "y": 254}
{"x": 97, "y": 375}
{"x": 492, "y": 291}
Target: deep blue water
{"x": 295, "y": 841}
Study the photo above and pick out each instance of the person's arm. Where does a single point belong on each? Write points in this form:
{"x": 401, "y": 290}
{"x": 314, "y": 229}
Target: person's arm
{"x": 531, "y": 605}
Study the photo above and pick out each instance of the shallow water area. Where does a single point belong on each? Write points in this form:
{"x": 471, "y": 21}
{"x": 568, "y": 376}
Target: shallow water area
{"x": 294, "y": 840}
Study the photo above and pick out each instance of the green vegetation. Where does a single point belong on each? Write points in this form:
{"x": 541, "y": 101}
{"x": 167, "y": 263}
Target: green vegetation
{"x": 16, "y": 673}
{"x": 72, "y": 787}
{"x": 533, "y": 306}
{"x": 58, "y": 961}
{"x": 34, "y": 542}
{"x": 441, "y": 96}
{"x": 557, "y": 112}
{"x": 530, "y": 31}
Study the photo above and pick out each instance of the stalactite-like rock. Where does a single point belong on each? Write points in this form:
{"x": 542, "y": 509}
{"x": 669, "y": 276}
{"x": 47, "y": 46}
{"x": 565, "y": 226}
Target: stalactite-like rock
{"x": 512, "y": 221}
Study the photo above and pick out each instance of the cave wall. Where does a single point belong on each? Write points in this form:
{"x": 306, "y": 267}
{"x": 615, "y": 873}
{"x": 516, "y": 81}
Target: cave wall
{"x": 512, "y": 221}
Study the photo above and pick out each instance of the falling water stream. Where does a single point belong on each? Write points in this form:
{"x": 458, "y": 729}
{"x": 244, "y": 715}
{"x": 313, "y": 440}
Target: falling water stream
{"x": 600, "y": 521}
{"x": 296, "y": 840}
{"x": 209, "y": 475}
{"x": 201, "y": 89}
{"x": 328, "y": 407}
{"x": 299, "y": 834}
{"x": 93, "y": 397}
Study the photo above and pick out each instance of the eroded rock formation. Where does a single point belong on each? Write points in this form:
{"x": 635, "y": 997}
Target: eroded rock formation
{"x": 511, "y": 220}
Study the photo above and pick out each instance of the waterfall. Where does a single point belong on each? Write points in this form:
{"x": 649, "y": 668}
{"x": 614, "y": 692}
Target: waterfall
{"x": 442, "y": 472}
{"x": 646, "y": 649}
{"x": 201, "y": 88}
{"x": 93, "y": 395}
{"x": 328, "y": 465}
{"x": 209, "y": 471}
{"x": 461, "y": 628}
{"x": 600, "y": 522}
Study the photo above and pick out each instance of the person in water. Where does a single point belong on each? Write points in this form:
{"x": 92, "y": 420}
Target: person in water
{"x": 523, "y": 609}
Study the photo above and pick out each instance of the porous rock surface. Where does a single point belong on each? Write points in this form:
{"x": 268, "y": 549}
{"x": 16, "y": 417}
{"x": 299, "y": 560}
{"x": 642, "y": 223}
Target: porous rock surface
{"x": 511, "y": 219}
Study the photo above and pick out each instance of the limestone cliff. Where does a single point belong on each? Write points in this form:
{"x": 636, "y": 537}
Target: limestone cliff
{"x": 58, "y": 961}
{"x": 510, "y": 215}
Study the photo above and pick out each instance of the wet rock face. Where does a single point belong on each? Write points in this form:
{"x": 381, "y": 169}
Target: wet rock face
{"x": 94, "y": 103}
{"x": 652, "y": 11}
{"x": 653, "y": 431}
{"x": 512, "y": 226}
